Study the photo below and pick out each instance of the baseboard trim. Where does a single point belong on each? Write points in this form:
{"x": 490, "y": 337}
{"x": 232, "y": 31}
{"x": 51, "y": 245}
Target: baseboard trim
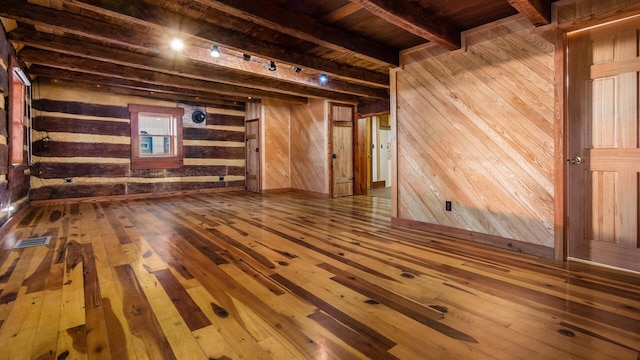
{"x": 492, "y": 240}
{"x": 37, "y": 203}
{"x": 311, "y": 194}
{"x": 378, "y": 184}
{"x": 275, "y": 191}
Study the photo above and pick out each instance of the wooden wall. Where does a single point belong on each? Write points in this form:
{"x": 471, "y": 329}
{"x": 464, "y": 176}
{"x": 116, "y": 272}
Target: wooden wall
{"x": 295, "y": 146}
{"x": 476, "y": 127}
{"x": 13, "y": 193}
{"x": 89, "y": 143}
{"x": 276, "y": 163}
{"x": 309, "y": 147}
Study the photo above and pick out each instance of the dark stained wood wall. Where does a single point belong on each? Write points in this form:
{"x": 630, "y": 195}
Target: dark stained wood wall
{"x": 14, "y": 194}
{"x": 85, "y": 136}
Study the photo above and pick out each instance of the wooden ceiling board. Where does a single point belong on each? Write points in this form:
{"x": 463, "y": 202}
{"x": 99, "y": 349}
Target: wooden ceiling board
{"x": 346, "y": 58}
{"x": 314, "y": 8}
{"x": 365, "y": 24}
{"x": 354, "y": 46}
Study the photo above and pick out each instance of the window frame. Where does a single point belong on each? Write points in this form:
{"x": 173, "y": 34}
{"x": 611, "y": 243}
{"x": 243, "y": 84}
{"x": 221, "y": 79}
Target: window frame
{"x": 139, "y": 162}
{"x": 19, "y": 111}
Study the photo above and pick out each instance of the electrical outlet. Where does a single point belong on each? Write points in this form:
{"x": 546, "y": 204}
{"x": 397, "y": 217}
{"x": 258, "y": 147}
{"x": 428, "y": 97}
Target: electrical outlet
{"x": 221, "y": 178}
{"x": 68, "y": 180}
{"x": 447, "y": 205}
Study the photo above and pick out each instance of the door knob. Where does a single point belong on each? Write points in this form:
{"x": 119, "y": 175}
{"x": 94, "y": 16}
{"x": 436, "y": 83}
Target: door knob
{"x": 575, "y": 161}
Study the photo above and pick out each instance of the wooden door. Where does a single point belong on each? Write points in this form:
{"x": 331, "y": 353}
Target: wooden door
{"x": 253, "y": 155}
{"x": 341, "y": 117}
{"x": 604, "y": 164}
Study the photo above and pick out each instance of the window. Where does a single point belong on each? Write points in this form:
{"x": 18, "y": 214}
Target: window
{"x": 20, "y": 109}
{"x": 156, "y": 137}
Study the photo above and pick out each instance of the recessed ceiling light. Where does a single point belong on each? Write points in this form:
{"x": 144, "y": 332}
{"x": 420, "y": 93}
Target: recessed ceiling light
{"x": 177, "y": 44}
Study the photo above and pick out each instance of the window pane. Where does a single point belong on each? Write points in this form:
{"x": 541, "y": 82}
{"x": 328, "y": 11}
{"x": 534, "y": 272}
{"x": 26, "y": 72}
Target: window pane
{"x": 156, "y": 134}
{"x": 156, "y": 145}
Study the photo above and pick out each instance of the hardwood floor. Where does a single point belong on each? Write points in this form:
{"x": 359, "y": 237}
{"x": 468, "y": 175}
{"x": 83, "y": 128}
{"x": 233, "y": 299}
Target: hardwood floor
{"x": 235, "y": 275}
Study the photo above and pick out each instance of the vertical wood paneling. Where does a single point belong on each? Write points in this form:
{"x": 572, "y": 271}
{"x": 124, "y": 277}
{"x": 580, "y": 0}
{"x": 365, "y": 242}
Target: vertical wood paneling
{"x": 341, "y": 118}
{"x": 309, "y": 141}
{"x": 253, "y": 155}
{"x": 276, "y": 163}
{"x": 88, "y": 132}
{"x": 476, "y": 128}
{"x": 253, "y": 111}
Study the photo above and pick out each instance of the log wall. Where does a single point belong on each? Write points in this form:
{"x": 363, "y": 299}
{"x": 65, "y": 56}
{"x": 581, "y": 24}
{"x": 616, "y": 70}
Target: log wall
{"x": 81, "y": 144}
{"x": 476, "y": 127}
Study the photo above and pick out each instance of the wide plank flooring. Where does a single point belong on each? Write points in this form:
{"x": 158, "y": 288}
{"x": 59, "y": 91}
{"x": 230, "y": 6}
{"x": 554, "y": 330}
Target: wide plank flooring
{"x": 242, "y": 276}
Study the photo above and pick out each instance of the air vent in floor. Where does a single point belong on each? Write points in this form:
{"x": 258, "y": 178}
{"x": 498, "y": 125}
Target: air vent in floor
{"x": 36, "y": 241}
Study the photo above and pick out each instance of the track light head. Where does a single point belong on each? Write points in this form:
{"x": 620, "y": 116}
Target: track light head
{"x": 246, "y": 57}
{"x": 215, "y": 51}
{"x": 297, "y": 69}
{"x": 272, "y": 66}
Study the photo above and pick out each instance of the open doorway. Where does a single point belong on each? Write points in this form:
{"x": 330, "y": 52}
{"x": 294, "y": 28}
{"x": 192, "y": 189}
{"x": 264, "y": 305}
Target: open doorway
{"x": 374, "y": 155}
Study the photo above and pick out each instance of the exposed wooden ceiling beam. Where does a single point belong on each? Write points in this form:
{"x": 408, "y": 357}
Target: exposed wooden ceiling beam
{"x": 184, "y": 67}
{"x": 173, "y": 97}
{"x": 303, "y": 27}
{"x": 414, "y": 19}
{"x": 148, "y": 80}
{"x": 75, "y": 63}
{"x": 195, "y": 91}
{"x": 150, "y": 15}
{"x": 537, "y": 11}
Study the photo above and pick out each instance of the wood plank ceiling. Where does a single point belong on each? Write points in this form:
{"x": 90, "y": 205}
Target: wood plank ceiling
{"x": 122, "y": 46}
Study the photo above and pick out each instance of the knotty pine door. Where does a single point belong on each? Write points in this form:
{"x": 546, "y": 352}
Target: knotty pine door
{"x": 253, "y": 155}
{"x": 341, "y": 117}
{"x": 603, "y": 134}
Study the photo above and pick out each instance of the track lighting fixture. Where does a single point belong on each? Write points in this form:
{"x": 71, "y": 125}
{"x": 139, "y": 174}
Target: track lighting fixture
{"x": 215, "y": 51}
{"x": 272, "y": 66}
{"x": 323, "y": 79}
{"x": 246, "y": 57}
{"x": 297, "y": 69}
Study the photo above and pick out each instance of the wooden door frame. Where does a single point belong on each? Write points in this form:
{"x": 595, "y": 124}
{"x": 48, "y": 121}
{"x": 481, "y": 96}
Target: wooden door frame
{"x": 246, "y": 141}
{"x": 561, "y": 118}
{"x": 360, "y": 179}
